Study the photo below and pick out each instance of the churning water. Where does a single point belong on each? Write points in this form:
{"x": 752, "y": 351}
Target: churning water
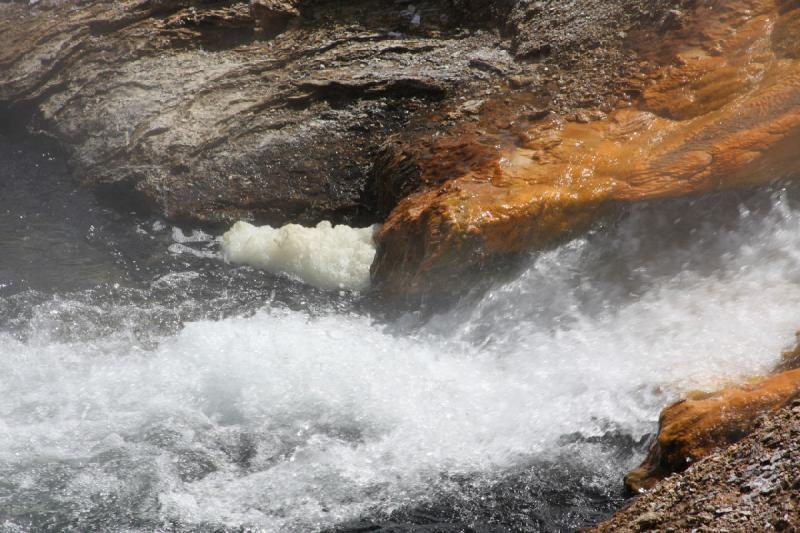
{"x": 150, "y": 386}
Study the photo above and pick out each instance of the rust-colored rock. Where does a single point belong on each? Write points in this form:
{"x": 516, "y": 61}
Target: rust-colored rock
{"x": 750, "y": 486}
{"x": 724, "y": 112}
{"x": 693, "y": 428}
{"x": 273, "y": 110}
{"x": 705, "y": 422}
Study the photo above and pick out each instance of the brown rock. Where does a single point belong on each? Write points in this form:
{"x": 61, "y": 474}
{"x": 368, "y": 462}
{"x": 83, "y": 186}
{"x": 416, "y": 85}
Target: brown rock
{"x": 694, "y": 428}
{"x": 180, "y": 107}
{"x": 649, "y": 521}
{"x": 748, "y": 486}
{"x": 790, "y": 359}
{"x": 723, "y": 113}
{"x": 518, "y": 82}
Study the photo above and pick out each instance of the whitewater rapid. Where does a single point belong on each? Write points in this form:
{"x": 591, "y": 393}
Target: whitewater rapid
{"x": 298, "y": 420}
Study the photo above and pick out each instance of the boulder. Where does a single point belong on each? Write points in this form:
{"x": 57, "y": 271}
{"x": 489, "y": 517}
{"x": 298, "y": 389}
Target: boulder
{"x": 704, "y": 423}
{"x": 721, "y": 112}
{"x": 478, "y": 129}
{"x": 281, "y": 110}
{"x": 750, "y": 486}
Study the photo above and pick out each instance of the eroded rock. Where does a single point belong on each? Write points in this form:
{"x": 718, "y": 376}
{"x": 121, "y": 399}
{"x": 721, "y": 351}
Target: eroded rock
{"x": 723, "y": 112}
{"x": 707, "y": 422}
{"x": 696, "y": 427}
{"x": 217, "y": 111}
{"x": 749, "y": 486}
{"x": 486, "y": 127}
{"x": 272, "y": 16}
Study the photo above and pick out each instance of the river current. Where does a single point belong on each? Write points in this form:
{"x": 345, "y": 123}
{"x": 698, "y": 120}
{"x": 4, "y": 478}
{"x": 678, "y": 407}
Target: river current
{"x": 147, "y": 385}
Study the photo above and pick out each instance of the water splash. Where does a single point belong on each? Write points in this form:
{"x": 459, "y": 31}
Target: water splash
{"x": 288, "y": 420}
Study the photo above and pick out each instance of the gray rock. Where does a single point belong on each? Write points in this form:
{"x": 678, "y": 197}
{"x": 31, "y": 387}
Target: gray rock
{"x": 188, "y": 109}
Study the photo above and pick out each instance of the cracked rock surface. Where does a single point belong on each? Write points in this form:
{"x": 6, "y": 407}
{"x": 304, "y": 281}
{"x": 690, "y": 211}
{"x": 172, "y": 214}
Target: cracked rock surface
{"x": 197, "y": 110}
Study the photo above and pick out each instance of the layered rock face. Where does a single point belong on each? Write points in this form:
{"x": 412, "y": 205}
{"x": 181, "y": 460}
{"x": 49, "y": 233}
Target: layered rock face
{"x": 274, "y": 110}
{"x": 478, "y": 128}
{"x": 722, "y": 112}
{"x": 220, "y": 110}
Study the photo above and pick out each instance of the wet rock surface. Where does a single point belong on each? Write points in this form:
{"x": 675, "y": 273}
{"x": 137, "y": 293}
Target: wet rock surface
{"x": 750, "y": 486}
{"x": 696, "y": 427}
{"x": 721, "y": 112}
{"x": 698, "y": 433}
{"x": 477, "y": 129}
{"x": 276, "y": 110}
{"x": 480, "y": 128}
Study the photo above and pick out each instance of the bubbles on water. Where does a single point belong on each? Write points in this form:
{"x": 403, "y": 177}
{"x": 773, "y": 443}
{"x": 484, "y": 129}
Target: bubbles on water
{"x": 195, "y": 236}
{"x": 295, "y": 419}
{"x": 198, "y": 243}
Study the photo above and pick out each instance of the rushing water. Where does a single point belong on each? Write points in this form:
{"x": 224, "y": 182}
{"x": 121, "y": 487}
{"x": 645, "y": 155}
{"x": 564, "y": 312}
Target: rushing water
{"x": 147, "y": 385}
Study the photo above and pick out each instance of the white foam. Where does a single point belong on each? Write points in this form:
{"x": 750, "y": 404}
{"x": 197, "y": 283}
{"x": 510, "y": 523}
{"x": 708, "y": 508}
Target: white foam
{"x": 326, "y": 256}
{"x": 307, "y": 421}
{"x": 179, "y": 249}
{"x": 195, "y": 236}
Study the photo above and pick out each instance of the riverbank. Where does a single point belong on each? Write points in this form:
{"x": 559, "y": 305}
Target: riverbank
{"x": 474, "y": 132}
{"x": 131, "y": 399}
{"x": 599, "y": 188}
{"x": 752, "y": 485}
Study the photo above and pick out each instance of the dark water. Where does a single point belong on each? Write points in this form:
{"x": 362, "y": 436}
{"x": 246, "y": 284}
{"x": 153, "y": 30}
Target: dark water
{"x": 57, "y": 239}
{"x": 146, "y": 385}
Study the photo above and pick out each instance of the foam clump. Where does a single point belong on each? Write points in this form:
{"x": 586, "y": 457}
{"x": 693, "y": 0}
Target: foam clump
{"x": 326, "y": 256}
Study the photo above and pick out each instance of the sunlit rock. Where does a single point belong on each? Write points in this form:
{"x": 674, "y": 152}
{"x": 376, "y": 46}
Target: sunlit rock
{"x": 723, "y": 113}
{"x": 693, "y": 428}
{"x": 219, "y": 111}
{"x": 704, "y": 423}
